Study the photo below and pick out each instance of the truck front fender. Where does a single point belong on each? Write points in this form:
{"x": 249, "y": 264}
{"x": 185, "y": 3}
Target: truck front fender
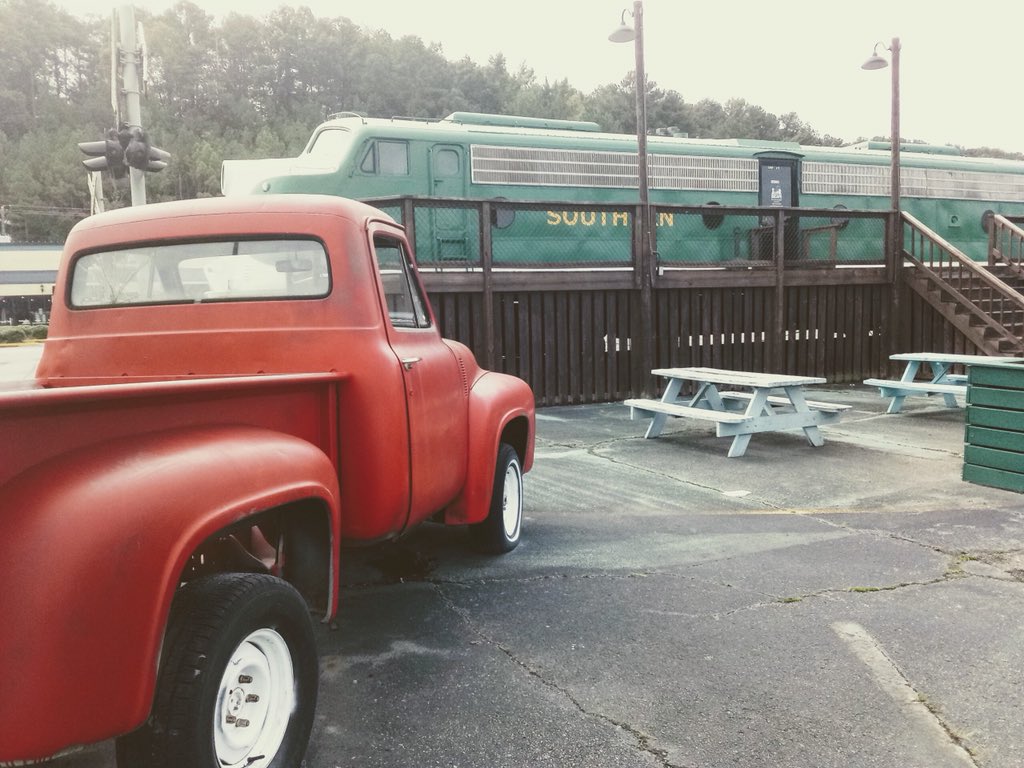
{"x": 93, "y": 544}
{"x": 501, "y": 409}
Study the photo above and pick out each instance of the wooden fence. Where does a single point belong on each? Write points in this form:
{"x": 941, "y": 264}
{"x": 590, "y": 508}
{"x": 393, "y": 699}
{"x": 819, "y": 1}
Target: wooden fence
{"x": 593, "y": 334}
{"x": 577, "y": 346}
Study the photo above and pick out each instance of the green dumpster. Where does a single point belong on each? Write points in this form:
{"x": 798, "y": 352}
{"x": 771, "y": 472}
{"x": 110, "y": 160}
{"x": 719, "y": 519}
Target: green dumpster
{"x": 994, "y": 434}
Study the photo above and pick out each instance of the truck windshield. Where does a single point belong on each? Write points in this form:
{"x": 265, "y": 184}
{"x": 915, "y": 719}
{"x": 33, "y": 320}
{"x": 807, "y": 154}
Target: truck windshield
{"x": 231, "y": 270}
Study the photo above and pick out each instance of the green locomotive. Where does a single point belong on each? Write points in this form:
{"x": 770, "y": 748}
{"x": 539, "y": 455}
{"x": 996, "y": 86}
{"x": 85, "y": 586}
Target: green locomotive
{"x": 582, "y": 174}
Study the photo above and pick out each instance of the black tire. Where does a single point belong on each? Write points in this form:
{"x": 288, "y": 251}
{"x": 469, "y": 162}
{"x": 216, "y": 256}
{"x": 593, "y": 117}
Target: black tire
{"x": 253, "y": 623}
{"x": 501, "y": 530}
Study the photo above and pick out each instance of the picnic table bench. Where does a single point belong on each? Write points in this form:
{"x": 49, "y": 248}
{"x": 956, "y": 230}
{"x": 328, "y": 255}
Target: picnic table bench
{"x": 765, "y": 402}
{"x": 942, "y": 381}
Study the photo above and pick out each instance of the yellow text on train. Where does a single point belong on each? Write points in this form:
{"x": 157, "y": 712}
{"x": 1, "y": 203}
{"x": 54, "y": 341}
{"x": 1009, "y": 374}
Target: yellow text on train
{"x": 601, "y": 219}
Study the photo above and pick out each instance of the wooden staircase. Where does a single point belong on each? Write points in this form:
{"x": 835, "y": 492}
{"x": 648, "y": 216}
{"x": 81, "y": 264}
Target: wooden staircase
{"x": 984, "y": 302}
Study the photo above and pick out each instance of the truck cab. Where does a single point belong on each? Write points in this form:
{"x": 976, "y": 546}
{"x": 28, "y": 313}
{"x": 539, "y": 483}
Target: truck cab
{"x": 232, "y": 390}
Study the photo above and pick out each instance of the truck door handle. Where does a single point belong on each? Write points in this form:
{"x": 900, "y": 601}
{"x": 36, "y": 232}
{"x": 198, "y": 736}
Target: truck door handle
{"x": 409, "y": 362}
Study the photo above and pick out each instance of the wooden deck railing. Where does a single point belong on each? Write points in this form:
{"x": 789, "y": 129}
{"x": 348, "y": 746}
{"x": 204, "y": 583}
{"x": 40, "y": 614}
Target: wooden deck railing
{"x": 799, "y": 291}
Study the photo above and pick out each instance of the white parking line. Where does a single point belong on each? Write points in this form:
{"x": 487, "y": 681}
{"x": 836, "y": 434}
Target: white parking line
{"x": 899, "y": 689}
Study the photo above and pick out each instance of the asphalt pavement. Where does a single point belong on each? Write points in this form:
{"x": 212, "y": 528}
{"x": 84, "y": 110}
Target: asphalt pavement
{"x": 18, "y": 364}
{"x": 852, "y": 605}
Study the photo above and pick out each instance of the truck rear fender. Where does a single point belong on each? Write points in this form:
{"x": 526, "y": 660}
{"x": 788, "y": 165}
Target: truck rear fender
{"x": 500, "y": 410}
{"x": 114, "y": 527}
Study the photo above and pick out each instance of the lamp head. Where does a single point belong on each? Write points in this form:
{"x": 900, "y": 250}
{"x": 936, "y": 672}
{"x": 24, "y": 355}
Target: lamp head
{"x": 876, "y": 61}
{"x": 623, "y": 33}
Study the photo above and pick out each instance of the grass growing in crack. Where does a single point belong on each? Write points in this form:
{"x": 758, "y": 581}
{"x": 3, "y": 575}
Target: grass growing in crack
{"x": 790, "y": 599}
{"x": 955, "y": 735}
{"x": 955, "y": 569}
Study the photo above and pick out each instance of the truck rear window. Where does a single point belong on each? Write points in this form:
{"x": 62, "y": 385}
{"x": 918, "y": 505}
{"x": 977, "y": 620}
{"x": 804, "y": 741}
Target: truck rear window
{"x": 226, "y": 270}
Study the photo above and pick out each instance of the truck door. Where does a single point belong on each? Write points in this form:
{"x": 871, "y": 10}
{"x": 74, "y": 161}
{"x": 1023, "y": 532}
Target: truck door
{"x": 435, "y": 387}
{"x": 449, "y": 226}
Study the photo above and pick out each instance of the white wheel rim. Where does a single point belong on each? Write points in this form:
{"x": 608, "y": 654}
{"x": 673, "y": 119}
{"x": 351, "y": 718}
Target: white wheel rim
{"x": 255, "y": 701}
{"x": 512, "y": 500}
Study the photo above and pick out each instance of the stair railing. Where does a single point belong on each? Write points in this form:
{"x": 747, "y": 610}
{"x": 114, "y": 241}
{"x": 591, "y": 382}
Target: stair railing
{"x": 977, "y": 293}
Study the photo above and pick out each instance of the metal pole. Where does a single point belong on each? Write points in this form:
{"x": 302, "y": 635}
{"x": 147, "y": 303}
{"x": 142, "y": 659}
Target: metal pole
{"x": 896, "y": 323}
{"x": 641, "y": 117}
{"x": 486, "y": 274}
{"x": 130, "y": 79}
{"x": 645, "y": 226}
{"x": 96, "y": 201}
{"x": 115, "y": 102}
{"x": 895, "y": 123}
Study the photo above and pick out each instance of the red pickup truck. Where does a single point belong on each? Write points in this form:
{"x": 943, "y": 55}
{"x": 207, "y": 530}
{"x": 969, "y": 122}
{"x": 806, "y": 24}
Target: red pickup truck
{"x": 231, "y": 390}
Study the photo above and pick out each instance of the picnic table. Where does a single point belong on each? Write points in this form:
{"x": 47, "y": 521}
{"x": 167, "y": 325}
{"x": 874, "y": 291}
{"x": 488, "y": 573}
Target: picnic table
{"x": 943, "y": 381}
{"x": 754, "y": 402}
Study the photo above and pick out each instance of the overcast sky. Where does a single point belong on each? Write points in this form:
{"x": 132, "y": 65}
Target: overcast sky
{"x": 959, "y": 63}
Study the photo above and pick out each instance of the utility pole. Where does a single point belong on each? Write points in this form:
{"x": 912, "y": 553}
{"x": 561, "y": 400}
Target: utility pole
{"x": 126, "y": 148}
{"x": 130, "y": 79}
{"x": 96, "y": 202}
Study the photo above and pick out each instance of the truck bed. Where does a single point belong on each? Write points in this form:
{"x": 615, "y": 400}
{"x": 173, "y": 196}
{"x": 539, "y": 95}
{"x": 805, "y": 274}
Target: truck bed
{"x": 41, "y": 423}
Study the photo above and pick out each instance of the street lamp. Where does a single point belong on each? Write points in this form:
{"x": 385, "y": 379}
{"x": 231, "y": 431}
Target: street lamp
{"x": 625, "y": 33}
{"x": 876, "y": 61}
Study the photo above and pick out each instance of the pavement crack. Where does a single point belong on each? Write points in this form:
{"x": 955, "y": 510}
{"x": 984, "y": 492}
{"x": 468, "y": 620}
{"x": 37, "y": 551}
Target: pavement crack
{"x": 823, "y": 517}
{"x": 593, "y": 450}
{"x": 890, "y": 444}
{"x": 643, "y": 741}
{"x": 949, "y": 575}
{"x": 998, "y": 565}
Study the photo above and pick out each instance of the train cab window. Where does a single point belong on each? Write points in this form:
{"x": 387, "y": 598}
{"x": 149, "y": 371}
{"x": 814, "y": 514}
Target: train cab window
{"x": 386, "y": 158}
{"x": 446, "y": 162}
{"x": 330, "y": 145}
{"x": 405, "y": 302}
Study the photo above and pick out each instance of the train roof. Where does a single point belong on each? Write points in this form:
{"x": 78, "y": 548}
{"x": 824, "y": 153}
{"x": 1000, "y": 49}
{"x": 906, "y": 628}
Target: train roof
{"x": 480, "y": 128}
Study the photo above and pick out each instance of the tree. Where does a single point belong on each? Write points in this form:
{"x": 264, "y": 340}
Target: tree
{"x": 614, "y": 108}
{"x": 181, "y": 43}
{"x": 558, "y": 100}
{"x": 48, "y": 62}
{"x": 245, "y": 66}
{"x": 248, "y": 87}
{"x": 45, "y": 171}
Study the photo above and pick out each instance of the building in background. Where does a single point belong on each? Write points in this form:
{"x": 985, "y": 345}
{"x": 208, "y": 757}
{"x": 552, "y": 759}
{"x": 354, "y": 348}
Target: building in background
{"x": 27, "y": 275}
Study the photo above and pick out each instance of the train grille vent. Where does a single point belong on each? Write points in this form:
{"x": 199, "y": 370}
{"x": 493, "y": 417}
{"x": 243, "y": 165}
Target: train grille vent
{"x": 603, "y": 168}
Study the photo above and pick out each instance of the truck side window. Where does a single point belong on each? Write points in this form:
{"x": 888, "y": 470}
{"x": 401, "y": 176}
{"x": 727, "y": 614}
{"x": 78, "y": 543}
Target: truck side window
{"x": 406, "y": 305}
{"x": 387, "y": 158}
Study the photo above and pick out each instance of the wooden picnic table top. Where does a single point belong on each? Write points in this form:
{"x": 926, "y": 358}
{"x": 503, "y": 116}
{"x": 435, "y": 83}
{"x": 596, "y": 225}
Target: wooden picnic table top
{"x": 737, "y": 378}
{"x": 943, "y": 357}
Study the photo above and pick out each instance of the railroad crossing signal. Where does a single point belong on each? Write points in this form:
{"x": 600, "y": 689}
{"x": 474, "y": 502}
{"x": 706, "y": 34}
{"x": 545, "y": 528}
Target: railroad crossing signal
{"x": 105, "y": 155}
{"x": 123, "y": 149}
{"x": 139, "y": 153}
